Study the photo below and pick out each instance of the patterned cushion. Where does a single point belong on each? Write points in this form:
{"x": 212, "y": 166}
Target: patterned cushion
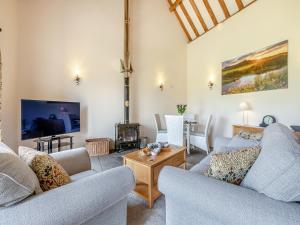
{"x": 50, "y": 174}
{"x": 17, "y": 180}
{"x": 251, "y": 136}
{"x": 232, "y": 167}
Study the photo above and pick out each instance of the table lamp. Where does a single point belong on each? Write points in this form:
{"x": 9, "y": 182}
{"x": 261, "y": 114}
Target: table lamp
{"x": 244, "y": 107}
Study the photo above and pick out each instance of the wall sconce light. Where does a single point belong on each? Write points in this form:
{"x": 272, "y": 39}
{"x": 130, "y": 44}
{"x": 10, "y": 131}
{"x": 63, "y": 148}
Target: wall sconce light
{"x": 77, "y": 78}
{"x": 210, "y": 85}
{"x": 161, "y": 86}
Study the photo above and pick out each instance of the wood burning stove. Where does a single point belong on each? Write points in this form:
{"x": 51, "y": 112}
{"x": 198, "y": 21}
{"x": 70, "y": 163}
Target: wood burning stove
{"x": 127, "y": 135}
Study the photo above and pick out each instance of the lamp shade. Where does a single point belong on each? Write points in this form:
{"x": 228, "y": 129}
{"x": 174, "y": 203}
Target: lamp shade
{"x": 244, "y": 106}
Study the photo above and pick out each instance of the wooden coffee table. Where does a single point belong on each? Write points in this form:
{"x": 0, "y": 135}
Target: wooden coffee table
{"x": 147, "y": 168}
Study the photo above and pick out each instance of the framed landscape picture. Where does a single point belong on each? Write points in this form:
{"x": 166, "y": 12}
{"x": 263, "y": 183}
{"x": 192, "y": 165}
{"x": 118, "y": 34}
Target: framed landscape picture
{"x": 262, "y": 70}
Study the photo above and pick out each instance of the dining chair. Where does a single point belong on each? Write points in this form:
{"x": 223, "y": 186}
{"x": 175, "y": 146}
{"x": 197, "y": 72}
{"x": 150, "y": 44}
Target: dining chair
{"x": 175, "y": 130}
{"x": 161, "y": 134}
{"x": 200, "y": 139}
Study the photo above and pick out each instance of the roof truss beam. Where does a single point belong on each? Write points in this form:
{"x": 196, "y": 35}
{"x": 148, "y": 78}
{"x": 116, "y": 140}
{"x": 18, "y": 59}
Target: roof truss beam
{"x": 198, "y": 14}
{"x": 210, "y": 12}
{"x": 224, "y": 8}
{"x": 180, "y": 22}
{"x": 193, "y": 15}
{"x": 240, "y": 4}
{"x": 174, "y": 5}
{"x": 189, "y": 19}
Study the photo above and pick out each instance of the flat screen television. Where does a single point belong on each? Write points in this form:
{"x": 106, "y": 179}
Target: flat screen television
{"x": 48, "y": 118}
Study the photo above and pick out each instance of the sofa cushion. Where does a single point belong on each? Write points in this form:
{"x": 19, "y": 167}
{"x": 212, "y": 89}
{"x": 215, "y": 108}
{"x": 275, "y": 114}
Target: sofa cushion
{"x": 237, "y": 142}
{"x": 220, "y": 143}
{"x": 81, "y": 175}
{"x": 277, "y": 127}
{"x": 17, "y": 180}
{"x": 276, "y": 172}
{"x": 50, "y": 173}
{"x": 202, "y": 166}
{"x": 5, "y": 149}
{"x": 232, "y": 167}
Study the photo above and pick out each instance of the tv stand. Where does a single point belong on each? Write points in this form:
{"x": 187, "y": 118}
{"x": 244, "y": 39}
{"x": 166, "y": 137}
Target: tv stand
{"x": 53, "y": 142}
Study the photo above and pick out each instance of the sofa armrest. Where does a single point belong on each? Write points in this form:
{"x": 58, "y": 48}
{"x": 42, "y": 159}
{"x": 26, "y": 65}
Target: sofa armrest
{"x": 220, "y": 143}
{"x": 74, "y": 160}
{"x": 231, "y": 204}
{"x": 74, "y": 203}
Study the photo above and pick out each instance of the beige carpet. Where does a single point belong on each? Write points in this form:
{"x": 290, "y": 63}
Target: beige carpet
{"x": 138, "y": 213}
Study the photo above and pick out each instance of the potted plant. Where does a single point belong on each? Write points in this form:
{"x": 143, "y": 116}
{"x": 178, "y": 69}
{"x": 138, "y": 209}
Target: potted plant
{"x": 181, "y": 109}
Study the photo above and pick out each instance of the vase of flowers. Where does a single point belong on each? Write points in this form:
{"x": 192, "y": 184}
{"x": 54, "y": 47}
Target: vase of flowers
{"x": 181, "y": 109}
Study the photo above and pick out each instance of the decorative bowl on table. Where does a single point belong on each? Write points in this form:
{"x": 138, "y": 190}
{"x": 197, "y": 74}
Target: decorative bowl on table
{"x": 164, "y": 144}
{"x": 155, "y": 148}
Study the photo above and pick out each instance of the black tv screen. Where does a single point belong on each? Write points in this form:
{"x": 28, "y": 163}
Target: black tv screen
{"x": 48, "y": 118}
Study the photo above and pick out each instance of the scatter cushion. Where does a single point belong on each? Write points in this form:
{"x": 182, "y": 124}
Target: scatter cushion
{"x": 276, "y": 172}
{"x": 17, "y": 180}
{"x": 232, "y": 167}
{"x": 49, "y": 172}
{"x": 251, "y": 136}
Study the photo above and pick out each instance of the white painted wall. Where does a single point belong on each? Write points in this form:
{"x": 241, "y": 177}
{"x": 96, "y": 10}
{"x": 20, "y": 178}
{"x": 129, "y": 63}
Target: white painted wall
{"x": 43, "y": 43}
{"x": 8, "y": 48}
{"x": 159, "y": 55}
{"x": 58, "y": 36}
{"x": 264, "y": 23}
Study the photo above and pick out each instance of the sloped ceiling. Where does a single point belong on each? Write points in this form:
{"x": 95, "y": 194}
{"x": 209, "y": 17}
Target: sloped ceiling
{"x": 197, "y": 17}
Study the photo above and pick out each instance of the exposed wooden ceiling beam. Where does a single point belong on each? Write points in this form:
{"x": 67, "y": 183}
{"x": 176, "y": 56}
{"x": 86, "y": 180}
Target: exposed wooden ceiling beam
{"x": 210, "y": 12}
{"x": 246, "y": 6}
{"x": 199, "y": 15}
{"x": 224, "y": 8}
{"x": 240, "y": 4}
{"x": 186, "y": 21}
{"x": 181, "y": 23}
{"x": 174, "y": 5}
{"x": 189, "y": 19}
{"x": 183, "y": 27}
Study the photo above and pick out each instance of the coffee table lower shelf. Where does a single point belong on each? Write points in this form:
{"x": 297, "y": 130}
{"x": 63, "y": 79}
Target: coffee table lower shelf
{"x": 142, "y": 190}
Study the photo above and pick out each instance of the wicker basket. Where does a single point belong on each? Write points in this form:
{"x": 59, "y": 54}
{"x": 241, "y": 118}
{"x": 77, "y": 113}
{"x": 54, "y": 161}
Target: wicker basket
{"x": 98, "y": 146}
